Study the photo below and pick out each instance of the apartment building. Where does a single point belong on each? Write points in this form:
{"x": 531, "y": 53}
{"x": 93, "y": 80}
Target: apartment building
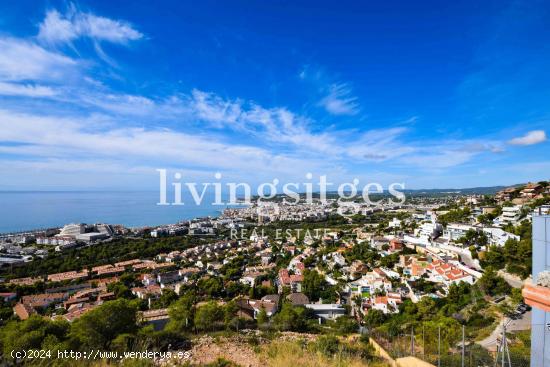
{"x": 510, "y": 214}
{"x": 537, "y": 293}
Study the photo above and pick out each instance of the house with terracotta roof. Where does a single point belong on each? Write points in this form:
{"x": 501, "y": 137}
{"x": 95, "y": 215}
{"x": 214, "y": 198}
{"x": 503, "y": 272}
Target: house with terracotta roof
{"x": 68, "y": 275}
{"x": 293, "y": 281}
{"x": 413, "y": 265}
{"x": 78, "y": 309}
{"x": 152, "y": 291}
{"x": 251, "y": 278}
{"x": 396, "y": 244}
{"x": 44, "y": 300}
{"x": 388, "y": 303}
{"x": 250, "y": 308}
{"x": 23, "y": 311}
{"x": 297, "y": 299}
{"x": 128, "y": 262}
{"x": 531, "y": 190}
{"x": 110, "y": 270}
{"x": 168, "y": 278}
{"x": 443, "y": 272}
{"x": 74, "y": 300}
{"x": 26, "y": 281}
{"x": 358, "y": 267}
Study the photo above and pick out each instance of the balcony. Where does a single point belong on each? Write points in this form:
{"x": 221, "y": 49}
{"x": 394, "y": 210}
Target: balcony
{"x": 537, "y": 296}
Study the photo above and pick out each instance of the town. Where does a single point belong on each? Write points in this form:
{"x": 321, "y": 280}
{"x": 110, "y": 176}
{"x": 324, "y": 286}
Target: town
{"x": 383, "y": 271}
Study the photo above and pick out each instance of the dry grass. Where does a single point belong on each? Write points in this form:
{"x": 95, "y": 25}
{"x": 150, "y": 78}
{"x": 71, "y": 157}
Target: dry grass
{"x": 284, "y": 354}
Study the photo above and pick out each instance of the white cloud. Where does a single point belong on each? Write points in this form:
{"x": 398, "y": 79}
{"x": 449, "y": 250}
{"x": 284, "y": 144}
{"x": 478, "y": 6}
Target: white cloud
{"x": 26, "y": 90}
{"x": 58, "y": 28}
{"x": 209, "y": 107}
{"x": 340, "y": 101}
{"x": 281, "y": 127}
{"x": 22, "y": 60}
{"x": 531, "y": 138}
{"x": 48, "y": 137}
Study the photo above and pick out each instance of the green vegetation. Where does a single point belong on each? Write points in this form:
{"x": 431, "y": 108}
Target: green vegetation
{"x": 490, "y": 283}
{"x": 104, "y": 253}
{"x": 315, "y": 287}
{"x": 464, "y": 305}
{"x": 454, "y": 215}
{"x": 111, "y": 326}
{"x": 515, "y": 256}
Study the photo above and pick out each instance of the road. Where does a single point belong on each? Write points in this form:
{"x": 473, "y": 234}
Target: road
{"x": 515, "y": 325}
{"x": 511, "y": 279}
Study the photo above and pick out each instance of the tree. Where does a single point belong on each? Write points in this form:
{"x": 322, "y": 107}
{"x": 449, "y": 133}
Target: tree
{"x": 230, "y": 313}
{"x": 374, "y": 318}
{"x": 167, "y": 297}
{"x": 492, "y": 284}
{"x": 99, "y": 327}
{"x": 262, "y": 317}
{"x": 291, "y": 318}
{"x": 209, "y": 316}
{"x": 182, "y": 312}
{"x": 34, "y": 333}
{"x": 120, "y": 290}
{"x": 212, "y": 287}
{"x": 345, "y": 325}
{"x": 494, "y": 258}
{"x": 457, "y": 215}
{"x": 313, "y": 284}
{"x": 473, "y": 238}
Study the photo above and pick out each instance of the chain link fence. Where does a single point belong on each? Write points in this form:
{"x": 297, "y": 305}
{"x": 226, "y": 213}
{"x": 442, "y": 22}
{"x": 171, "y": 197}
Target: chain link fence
{"x": 459, "y": 347}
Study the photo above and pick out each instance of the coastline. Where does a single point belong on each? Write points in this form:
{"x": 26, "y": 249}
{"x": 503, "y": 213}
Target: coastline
{"x": 32, "y": 211}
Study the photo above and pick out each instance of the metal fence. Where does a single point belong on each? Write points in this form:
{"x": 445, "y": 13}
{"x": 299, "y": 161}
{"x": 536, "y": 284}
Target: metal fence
{"x": 459, "y": 347}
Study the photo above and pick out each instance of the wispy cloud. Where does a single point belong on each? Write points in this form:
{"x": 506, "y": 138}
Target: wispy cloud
{"x": 65, "y": 28}
{"x": 24, "y": 60}
{"x": 57, "y": 137}
{"x": 531, "y": 138}
{"x": 27, "y": 90}
{"x": 83, "y": 119}
{"x": 340, "y": 100}
{"x": 336, "y": 97}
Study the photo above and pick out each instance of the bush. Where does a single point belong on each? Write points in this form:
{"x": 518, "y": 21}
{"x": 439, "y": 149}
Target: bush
{"x": 327, "y": 344}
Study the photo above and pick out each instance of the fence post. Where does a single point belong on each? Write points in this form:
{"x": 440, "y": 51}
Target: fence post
{"x": 463, "y": 345}
{"x": 505, "y": 347}
{"x": 412, "y": 341}
{"x": 423, "y": 344}
{"x": 439, "y": 346}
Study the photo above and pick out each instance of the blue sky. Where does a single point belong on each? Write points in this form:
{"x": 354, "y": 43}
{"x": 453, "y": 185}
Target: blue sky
{"x": 98, "y": 95}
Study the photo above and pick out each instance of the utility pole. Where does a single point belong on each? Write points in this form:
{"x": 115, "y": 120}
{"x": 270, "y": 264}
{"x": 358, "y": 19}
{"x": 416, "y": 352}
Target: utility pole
{"x": 503, "y": 348}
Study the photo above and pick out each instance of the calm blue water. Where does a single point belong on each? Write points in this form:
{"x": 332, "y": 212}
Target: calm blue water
{"x": 31, "y": 210}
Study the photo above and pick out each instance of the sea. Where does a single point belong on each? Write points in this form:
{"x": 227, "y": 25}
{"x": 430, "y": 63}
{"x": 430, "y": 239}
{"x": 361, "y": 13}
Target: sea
{"x": 30, "y": 210}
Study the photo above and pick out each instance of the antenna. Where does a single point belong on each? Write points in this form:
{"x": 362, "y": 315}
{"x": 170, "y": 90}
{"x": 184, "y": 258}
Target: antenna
{"x": 502, "y": 348}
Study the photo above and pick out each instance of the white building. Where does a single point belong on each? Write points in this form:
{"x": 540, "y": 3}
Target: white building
{"x": 510, "y": 214}
{"x": 498, "y": 237}
{"x": 368, "y": 284}
{"x": 73, "y": 229}
{"x": 329, "y": 311}
{"x": 395, "y": 223}
{"x": 454, "y": 231}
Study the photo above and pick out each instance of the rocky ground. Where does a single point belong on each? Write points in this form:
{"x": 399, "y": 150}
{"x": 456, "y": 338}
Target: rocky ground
{"x": 241, "y": 349}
